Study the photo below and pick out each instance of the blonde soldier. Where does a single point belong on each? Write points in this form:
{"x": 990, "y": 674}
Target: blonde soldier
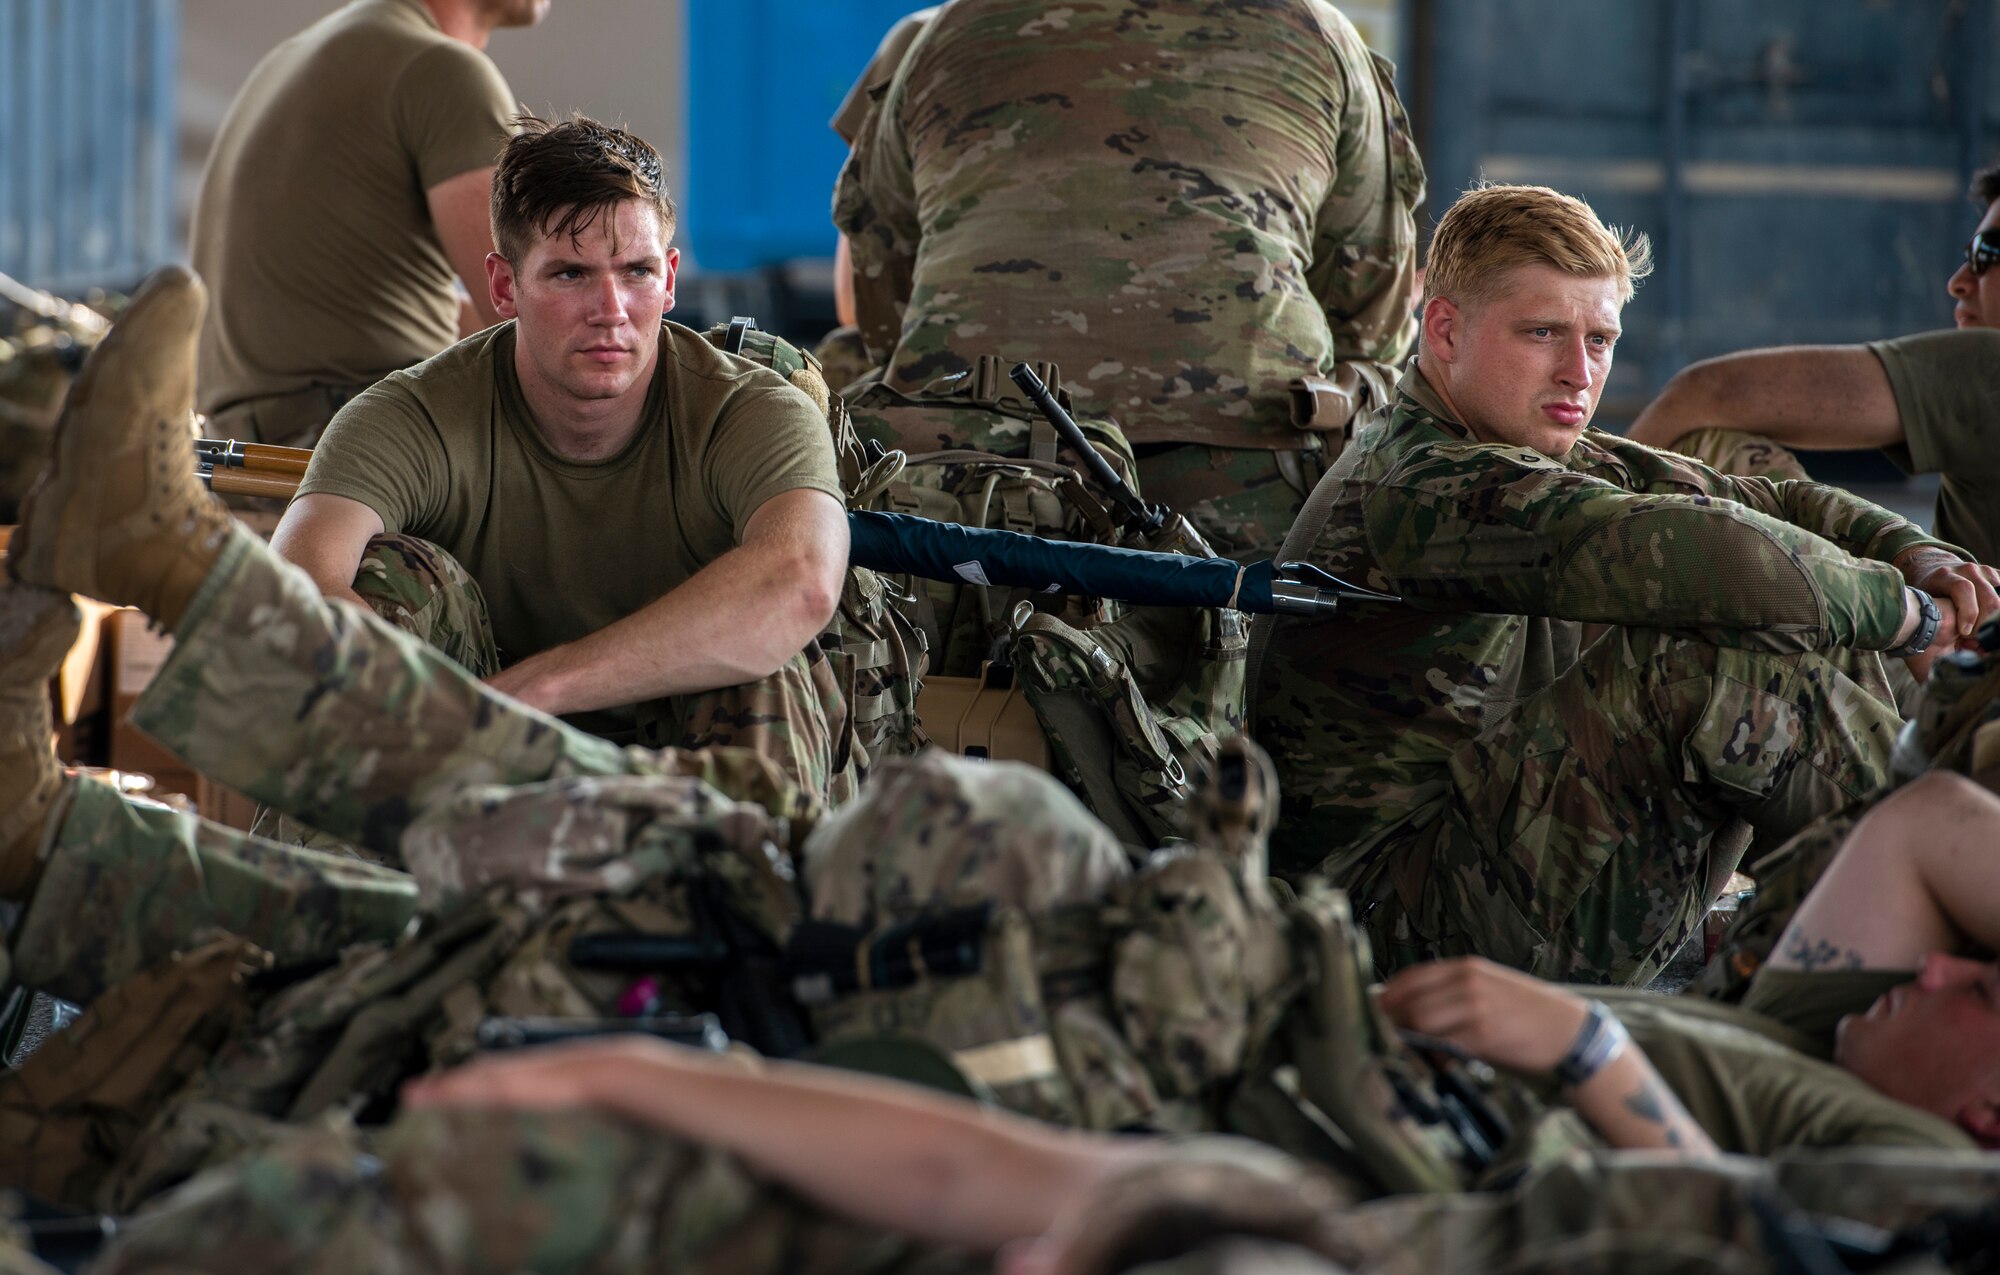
{"x": 1475, "y": 780}
{"x": 1184, "y": 209}
{"x": 655, "y": 527}
{"x": 347, "y": 188}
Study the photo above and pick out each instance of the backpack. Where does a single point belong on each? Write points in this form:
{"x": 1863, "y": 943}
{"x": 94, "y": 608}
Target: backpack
{"x": 879, "y": 654}
{"x": 1196, "y": 994}
{"x": 981, "y": 455}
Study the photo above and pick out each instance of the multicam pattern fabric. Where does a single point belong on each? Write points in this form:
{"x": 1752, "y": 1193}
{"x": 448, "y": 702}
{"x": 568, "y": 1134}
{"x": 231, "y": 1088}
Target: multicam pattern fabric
{"x": 355, "y": 727}
{"x": 1238, "y": 497}
{"x": 471, "y": 1191}
{"x": 1246, "y": 173}
{"x": 128, "y": 884}
{"x": 1478, "y": 779}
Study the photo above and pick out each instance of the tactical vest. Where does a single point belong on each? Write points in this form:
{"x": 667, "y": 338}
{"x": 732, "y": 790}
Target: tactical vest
{"x": 1130, "y": 700}
{"x": 1198, "y": 995}
{"x": 879, "y": 655}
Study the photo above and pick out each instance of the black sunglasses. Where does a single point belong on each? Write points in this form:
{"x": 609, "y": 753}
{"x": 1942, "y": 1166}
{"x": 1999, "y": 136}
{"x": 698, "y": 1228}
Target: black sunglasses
{"x": 1982, "y": 252}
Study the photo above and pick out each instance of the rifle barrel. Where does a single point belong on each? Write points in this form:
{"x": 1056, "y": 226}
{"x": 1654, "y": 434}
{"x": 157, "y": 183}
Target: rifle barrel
{"x": 1093, "y": 460}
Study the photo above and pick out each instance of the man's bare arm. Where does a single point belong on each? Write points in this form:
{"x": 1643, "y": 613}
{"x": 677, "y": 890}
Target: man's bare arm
{"x": 889, "y": 1154}
{"x": 734, "y": 621}
{"x": 461, "y": 210}
{"x": 1808, "y": 396}
{"x": 1916, "y": 875}
{"x": 324, "y": 536}
{"x": 1518, "y": 1021}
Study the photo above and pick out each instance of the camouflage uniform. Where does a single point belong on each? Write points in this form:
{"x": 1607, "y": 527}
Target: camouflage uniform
{"x": 793, "y": 717}
{"x": 1185, "y": 207}
{"x": 1482, "y": 779}
{"x": 351, "y": 726}
{"x": 473, "y": 1191}
{"x": 843, "y": 358}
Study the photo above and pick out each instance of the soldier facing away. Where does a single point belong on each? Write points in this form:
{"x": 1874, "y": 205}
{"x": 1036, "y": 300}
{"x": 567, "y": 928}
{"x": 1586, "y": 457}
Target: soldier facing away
{"x": 654, "y": 527}
{"x": 1479, "y": 774}
{"x": 1927, "y": 400}
{"x": 1183, "y": 207}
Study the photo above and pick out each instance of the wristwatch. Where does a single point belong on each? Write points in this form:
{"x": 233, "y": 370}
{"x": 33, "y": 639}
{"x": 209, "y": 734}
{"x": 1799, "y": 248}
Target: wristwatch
{"x": 1928, "y": 620}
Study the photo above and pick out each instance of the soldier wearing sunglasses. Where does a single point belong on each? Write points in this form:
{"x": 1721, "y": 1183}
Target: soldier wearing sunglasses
{"x": 1930, "y": 401}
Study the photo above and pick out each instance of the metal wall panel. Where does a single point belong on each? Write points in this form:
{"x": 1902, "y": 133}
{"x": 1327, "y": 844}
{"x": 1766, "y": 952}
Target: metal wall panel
{"x": 1800, "y": 164}
{"x": 87, "y": 136}
{"x": 764, "y": 77}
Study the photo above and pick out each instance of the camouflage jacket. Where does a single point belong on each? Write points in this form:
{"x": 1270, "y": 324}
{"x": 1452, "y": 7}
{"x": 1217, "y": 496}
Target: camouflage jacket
{"x": 1184, "y": 204}
{"x": 1502, "y": 556}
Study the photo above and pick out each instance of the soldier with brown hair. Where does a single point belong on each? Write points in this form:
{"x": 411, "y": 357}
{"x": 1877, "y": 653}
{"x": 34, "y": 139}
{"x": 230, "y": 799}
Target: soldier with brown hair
{"x": 1479, "y": 779}
{"x": 655, "y": 528}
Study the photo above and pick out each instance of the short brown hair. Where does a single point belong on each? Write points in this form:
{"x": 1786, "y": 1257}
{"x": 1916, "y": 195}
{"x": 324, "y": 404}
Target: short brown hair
{"x": 1492, "y": 229}
{"x": 557, "y": 178}
{"x": 1985, "y": 187}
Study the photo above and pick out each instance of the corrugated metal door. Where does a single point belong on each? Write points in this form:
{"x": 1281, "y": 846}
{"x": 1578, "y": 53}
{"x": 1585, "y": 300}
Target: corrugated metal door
{"x": 1800, "y": 164}
{"x": 87, "y": 134}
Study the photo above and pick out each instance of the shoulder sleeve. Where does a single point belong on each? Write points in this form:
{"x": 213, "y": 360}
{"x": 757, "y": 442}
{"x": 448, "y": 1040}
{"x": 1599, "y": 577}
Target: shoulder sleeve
{"x": 874, "y": 80}
{"x": 453, "y": 111}
{"x": 875, "y": 206}
{"x": 1858, "y": 526}
{"x": 1363, "y": 270}
{"x": 1479, "y": 527}
{"x": 1947, "y": 388}
{"x": 768, "y": 439}
{"x": 383, "y": 449}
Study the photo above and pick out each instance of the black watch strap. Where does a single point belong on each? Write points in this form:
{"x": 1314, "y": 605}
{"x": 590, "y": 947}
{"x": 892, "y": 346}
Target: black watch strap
{"x": 1928, "y": 620}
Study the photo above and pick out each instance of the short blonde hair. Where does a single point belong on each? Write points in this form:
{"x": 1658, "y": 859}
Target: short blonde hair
{"x": 1492, "y": 229}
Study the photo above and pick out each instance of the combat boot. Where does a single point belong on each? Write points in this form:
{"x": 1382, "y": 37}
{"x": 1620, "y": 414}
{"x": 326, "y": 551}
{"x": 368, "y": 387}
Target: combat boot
{"x": 37, "y": 628}
{"x": 119, "y": 514}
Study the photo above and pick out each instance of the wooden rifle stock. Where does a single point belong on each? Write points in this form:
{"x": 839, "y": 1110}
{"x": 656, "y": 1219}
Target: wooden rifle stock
{"x": 250, "y": 469}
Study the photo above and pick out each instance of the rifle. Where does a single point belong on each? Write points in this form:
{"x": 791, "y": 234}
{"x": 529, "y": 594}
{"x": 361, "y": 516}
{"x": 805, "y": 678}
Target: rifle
{"x": 232, "y": 468}
{"x": 761, "y": 990}
{"x": 1154, "y": 526}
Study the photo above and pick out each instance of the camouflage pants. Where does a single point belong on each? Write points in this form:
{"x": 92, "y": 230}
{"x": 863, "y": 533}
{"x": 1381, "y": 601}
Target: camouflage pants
{"x": 472, "y": 1191}
{"x": 1237, "y": 497}
{"x": 349, "y": 725}
{"x": 797, "y": 717}
{"x": 1576, "y": 833}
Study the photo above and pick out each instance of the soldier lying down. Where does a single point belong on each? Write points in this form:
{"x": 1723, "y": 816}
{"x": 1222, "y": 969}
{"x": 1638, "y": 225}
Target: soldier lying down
{"x": 683, "y": 1155}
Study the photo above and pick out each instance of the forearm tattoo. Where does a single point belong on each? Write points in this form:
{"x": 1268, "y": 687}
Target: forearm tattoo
{"x": 1654, "y": 1103}
{"x": 1811, "y": 954}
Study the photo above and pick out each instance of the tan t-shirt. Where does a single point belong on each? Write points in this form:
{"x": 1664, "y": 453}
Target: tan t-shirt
{"x": 1751, "y": 1083}
{"x": 448, "y": 451}
{"x": 1947, "y": 387}
{"x": 311, "y": 229}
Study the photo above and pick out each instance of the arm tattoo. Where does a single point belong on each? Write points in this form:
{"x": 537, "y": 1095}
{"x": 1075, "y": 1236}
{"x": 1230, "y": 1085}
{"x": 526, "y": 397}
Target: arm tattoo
{"x": 1818, "y": 954}
{"x": 1650, "y": 1103}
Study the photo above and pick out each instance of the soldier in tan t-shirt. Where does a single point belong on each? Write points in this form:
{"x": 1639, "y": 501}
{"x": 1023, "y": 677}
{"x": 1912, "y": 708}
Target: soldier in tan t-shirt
{"x": 1930, "y": 401}
{"x": 346, "y": 189}
{"x": 652, "y": 523}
